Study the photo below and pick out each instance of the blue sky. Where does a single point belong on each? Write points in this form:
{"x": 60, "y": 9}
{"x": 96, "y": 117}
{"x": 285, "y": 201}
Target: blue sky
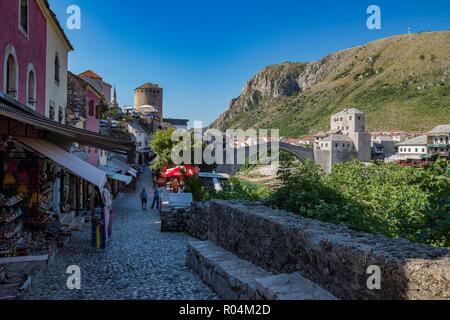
{"x": 202, "y": 52}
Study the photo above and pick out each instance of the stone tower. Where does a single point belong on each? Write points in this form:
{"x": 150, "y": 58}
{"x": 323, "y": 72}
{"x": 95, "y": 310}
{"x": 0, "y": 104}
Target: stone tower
{"x": 149, "y": 94}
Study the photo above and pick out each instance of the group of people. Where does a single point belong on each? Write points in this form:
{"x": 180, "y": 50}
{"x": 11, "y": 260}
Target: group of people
{"x": 144, "y": 198}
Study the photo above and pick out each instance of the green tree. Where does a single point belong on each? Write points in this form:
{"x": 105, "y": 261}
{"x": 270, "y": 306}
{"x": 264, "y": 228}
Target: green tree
{"x": 162, "y": 145}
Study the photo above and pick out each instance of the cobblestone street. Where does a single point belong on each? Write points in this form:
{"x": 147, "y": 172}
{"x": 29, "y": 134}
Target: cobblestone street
{"x": 140, "y": 262}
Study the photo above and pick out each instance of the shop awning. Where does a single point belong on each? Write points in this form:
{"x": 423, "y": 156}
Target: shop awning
{"x": 13, "y": 110}
{"x": 67, "y": 160}
{"x": 123, "y": 166}
{"x": 112, "y": 173}
{"x": 121, "y": 177}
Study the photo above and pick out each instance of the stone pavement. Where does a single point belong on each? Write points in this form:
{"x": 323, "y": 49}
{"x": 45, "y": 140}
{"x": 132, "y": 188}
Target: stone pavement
{"x": 140, "y": 262}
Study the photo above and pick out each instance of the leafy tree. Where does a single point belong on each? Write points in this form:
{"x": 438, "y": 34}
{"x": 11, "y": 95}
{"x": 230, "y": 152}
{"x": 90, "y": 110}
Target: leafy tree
{"x": 162, "y": 145}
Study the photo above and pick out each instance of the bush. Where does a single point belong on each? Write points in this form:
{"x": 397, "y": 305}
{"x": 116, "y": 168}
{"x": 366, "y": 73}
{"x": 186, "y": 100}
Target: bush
{"x": 384, "y": 199}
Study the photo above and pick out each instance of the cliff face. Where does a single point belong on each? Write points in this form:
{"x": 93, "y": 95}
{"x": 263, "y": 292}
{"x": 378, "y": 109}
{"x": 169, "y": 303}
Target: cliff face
{"x": 401, "y": 83}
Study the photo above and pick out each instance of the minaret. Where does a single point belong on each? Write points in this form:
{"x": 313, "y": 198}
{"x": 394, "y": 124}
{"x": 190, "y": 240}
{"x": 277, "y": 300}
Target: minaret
{"x": 114, "y": 104}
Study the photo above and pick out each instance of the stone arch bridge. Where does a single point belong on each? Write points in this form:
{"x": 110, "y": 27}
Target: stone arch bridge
{"x": 301, "y": 153}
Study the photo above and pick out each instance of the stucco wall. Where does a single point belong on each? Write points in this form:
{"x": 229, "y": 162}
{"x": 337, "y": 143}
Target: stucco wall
{"x": 54, "y": 92}
{"x": 29, "y": 49}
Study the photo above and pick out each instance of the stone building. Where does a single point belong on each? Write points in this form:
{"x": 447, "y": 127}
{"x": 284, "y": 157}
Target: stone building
{"x": 347, "y": 140}
{"x": 149, "y": 95}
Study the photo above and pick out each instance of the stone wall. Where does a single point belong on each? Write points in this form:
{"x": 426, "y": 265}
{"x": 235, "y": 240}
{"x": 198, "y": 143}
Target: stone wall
{"x": 330, "y": 255}
{"x": 193, "y": 221}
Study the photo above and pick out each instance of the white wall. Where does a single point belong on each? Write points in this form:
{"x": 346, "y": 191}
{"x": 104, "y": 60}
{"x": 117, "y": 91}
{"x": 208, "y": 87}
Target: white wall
{"x": 53, "y": 92}
{"x": 412, "y": 150}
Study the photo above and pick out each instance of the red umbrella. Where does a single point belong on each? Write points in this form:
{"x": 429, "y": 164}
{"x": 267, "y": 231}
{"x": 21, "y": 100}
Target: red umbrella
{"x": 180, "y": 171}
{"x": 191, "y": 168}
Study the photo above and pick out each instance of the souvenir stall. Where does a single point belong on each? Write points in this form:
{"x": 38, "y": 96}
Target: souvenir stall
{"x": 29, "y": 200}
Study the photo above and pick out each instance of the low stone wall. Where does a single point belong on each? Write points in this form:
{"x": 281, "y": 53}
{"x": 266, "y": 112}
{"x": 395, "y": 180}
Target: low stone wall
{"x": 330, "y": 255}
{"x": 193, "y": 221}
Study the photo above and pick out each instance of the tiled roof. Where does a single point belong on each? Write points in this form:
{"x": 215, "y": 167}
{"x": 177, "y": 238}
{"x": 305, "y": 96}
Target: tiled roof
{"x": 338, "y": 137}
{"x": 89, "y": 74}
{"x": 418, "y": 141}
{"x": 445, "y": 129}
{"x": 149, "y": 85}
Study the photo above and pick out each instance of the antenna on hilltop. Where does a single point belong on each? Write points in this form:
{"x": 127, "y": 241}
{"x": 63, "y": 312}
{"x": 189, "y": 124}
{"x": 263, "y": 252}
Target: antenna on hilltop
{"x": 409, "y": 30}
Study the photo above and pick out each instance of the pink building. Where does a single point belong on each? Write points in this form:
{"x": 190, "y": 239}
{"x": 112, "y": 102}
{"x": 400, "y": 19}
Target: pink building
{"x": 83, "y": 110}
{"x": 23, "y": 51}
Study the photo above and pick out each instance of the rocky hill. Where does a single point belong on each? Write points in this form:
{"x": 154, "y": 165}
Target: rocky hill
{"x": 401, "y": 82}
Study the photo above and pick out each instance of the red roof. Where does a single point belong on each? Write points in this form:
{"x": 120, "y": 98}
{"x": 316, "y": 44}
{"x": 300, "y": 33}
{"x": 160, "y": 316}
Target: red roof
{"x": 89, "y": 74}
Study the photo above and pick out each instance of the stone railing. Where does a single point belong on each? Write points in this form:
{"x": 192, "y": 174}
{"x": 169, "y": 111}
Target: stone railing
{"x": 330, "y": 255}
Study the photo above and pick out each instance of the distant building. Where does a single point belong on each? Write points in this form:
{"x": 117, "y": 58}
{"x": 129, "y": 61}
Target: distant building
{"x": 412, "y": 149}
{"x": 426, "y": 147}
{"x": 149, "y": 95}
{"x": 346, "y": 140}
{"x": 98, "y": 84}
{"x": 177, "y": 123}
{"x": 382, "y": 148}
{"x": 83, "y": 110}
{"x": 141, "y": 135}
{"x": 306, "y": 141}
{"x": 439, "y": 140}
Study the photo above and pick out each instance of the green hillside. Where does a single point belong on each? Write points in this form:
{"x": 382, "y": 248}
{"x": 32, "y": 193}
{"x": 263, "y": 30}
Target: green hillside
{"x": 402, "y": 83}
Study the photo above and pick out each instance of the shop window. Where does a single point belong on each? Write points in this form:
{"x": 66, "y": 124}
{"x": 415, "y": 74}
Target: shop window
{"x": 23, "y": 18}
{"x": 91, "y": 108}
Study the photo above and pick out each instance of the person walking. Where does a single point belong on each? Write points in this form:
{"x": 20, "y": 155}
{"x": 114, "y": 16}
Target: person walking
{"x": 156, "y": 198}
{"x": 144, "y": 197}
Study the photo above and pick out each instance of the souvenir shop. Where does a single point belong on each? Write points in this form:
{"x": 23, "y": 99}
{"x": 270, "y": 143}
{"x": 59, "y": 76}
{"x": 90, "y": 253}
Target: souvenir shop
{"x": 41, "y": 182}
{"x": 36, "y": 193}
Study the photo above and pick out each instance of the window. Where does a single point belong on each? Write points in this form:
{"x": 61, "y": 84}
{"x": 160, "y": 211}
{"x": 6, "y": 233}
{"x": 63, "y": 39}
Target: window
{"x": 51, "y": 110}
{"x": 11, "y": 76}
{"x": 60, "y": 115}
{"x": 348, "y": 128}
{"x": 31, "y": 88}
{"x": 57, "y": 69}
{"x": 23, "y": 19}
{"x": 417, "y": 150}
{"x": 91, "y": 108}
{"x": 350, "y": 118}
{"x": 423, "y": 150}
{"x": 97, "y": 112}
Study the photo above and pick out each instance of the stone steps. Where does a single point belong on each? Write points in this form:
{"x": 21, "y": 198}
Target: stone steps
{"x": 236, "y": 279}
{"x": 290, "y": 287}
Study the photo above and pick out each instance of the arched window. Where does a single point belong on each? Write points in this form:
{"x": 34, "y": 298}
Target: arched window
{"x": 10, "y": 73}
{"x": 31, "y": 87}
{"x": 57, "y": 69}
{"x": 23, "y": 18}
